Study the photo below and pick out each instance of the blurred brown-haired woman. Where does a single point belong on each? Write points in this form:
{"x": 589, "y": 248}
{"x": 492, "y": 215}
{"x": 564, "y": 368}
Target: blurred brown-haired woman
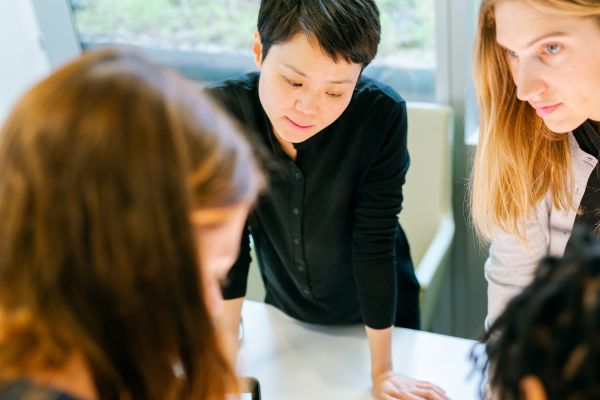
{"x": 122, "y": 192}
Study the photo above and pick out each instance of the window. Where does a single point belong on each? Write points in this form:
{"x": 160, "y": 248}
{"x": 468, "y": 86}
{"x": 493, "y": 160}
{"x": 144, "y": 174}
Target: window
{"x": 210, "y": 40}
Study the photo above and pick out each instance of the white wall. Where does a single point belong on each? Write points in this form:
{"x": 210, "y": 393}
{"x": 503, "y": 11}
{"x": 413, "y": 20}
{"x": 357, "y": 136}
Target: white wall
{"x": 22, "y": 59}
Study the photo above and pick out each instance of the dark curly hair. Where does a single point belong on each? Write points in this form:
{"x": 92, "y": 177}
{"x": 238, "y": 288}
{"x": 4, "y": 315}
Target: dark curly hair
{"x": 552, "y": 329}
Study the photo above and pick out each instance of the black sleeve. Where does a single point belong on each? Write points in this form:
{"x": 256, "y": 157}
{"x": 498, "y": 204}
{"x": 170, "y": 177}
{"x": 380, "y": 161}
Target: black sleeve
{"x": 235, "y": 284}
{"x": 233, "y": 99}
{"x": 376, "y": 217}
{"x": 237, "y": 278}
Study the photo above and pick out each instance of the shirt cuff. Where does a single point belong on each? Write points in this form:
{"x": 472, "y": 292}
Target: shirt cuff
{"x": 378, "y": 312}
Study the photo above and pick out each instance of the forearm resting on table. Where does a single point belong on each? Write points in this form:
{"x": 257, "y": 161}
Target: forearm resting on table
{"x": 380, "y": 344}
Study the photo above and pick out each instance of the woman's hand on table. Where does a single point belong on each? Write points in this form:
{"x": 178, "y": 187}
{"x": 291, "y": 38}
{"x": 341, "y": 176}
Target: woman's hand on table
{"x": 392, "y": 385}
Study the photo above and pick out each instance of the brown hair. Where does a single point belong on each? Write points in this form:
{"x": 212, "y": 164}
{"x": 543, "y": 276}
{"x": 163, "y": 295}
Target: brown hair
{"x": 101, "y": 165}
{"x": 518, "y": 159}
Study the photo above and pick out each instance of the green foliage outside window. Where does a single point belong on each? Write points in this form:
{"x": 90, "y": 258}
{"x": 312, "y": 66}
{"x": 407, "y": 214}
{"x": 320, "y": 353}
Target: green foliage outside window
{"x": 408, "y": 25}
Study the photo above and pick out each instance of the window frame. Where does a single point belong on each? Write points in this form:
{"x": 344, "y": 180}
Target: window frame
{"x": 62, "y": 43}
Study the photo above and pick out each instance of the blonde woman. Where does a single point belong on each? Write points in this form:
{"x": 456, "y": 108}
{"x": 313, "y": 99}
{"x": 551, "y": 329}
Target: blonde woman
{"x": 537, "y": 73}
{"x": 123, "y": 193}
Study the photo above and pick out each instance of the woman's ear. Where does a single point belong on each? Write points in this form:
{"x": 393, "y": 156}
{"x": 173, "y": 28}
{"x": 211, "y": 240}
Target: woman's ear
{"x": 257, "y": 50}
{"x": 532, "y": 388}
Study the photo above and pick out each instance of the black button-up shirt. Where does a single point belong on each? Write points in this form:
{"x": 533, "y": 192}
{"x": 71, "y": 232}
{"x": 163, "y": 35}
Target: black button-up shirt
{"x": 326, "y": 233}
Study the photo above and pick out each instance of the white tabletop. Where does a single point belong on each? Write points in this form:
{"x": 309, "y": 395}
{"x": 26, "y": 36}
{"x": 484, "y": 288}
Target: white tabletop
{"x": 294, "y": 360}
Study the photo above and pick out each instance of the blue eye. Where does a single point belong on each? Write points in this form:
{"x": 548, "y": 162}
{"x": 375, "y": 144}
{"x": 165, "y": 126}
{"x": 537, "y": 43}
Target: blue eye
{"x": 511, "y": 54}
{"x": 553, "y": 48}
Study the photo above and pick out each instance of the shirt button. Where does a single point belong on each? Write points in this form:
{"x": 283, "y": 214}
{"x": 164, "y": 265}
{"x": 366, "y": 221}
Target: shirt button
{"x": 300, "y": 268}
{"x": 298, "y": 175}
{"x": 296, "y": 241}
{"x": 296, "y": 211}
{"x": 306, "y": 291}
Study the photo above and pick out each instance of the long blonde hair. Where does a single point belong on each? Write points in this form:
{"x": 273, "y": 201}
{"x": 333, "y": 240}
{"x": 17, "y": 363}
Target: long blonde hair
{"x": 518, "y": 159}
{"x": 101, "y": 165}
